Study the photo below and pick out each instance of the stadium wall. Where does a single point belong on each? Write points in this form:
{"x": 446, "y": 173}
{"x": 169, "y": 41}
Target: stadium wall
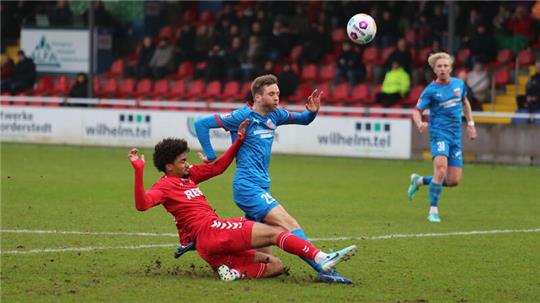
{"x": 327, "y": 135}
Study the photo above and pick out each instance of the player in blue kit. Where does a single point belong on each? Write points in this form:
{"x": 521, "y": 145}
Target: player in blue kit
{"x": 446, "y": 99}
{"x": 251, "y": 185}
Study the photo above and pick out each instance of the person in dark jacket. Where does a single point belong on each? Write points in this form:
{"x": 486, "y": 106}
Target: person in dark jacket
{"x": 80, "y": 88}
{"x": 24, "y": 75}
{"x": 350, "y": 66}
{"x": 142, "y": 70}
{"x": 531, "y": 100}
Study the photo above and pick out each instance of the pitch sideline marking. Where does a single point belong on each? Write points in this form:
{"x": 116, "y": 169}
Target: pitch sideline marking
{"x": 95, "y": 248}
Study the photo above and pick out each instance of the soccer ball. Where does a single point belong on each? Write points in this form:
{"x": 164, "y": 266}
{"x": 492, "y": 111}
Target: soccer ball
{"x": 361, "y": 28}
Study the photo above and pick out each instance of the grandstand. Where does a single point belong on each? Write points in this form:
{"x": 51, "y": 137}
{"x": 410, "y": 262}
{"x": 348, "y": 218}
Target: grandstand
{"x": 285, "y": 33}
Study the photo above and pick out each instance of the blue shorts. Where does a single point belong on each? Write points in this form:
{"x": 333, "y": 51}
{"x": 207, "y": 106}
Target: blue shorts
{"x": 450, "y": 149}
{"x": 255, "y": 201}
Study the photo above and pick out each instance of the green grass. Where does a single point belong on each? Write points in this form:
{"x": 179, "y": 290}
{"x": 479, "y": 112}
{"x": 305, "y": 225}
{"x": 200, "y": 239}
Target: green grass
{"x": 90, "y": 189}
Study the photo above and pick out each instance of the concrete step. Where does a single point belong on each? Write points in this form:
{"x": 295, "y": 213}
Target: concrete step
{"x": 492, "y": 120}
{"x": 505, "y": 108}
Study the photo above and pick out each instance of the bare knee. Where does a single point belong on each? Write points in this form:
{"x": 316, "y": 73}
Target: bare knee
{"x": 453, "y": 182}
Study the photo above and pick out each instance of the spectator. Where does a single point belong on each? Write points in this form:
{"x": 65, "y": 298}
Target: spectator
{"x": 251, "y": 59}
{"x": 475, "y": 105}
{"x": 395, "y": 86}
{"x": 203, "y": 42}
{"x": 479, "y": 83}
{"x": 483, "y": 47}
{"x": 61, "y": 15}
{"x": 80, "y": 88}
{"x": 402, "y": 55}
{"x": 500, "y": 21}
{"x": 350, "y": 66}
{"x": 185, "y": 46}
{"x": 7, "y": 68}
{"x": 387, "y": 30}
{"x": 215, "y": 69}
{"x": 267, "y": 68}
{"x": 316, "y": 44}
{"x": 162, "y": 61}
{"x": 531, "y": 100}
{"x": 142, "y": 69}
{"x": 232, "y": 59}
{"x": 521, "y": 24}
{"x": 24, "y": 75}
{"x": 288, "y": 81}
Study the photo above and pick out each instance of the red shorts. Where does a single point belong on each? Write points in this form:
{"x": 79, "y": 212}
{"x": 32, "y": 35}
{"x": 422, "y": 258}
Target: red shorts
{"x": 228, "y": 241}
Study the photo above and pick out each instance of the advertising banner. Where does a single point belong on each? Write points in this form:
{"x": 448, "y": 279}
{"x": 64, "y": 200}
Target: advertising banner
{"x": 331, "y": 136}
{"x": 57, "y": 50}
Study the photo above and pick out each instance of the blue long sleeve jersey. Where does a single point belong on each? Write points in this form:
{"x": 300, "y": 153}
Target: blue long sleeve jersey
{"x": 253, "y": 158}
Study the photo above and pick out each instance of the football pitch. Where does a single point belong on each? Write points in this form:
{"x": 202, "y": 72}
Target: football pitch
{"x": 70, "y": 232}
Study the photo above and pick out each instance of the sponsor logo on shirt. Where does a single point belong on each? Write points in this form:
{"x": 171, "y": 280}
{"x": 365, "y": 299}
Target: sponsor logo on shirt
{"x": 264, "y": 133}
{"x": 457, "y": 92}
{"x": 225, "y": 116}
{"x": 270, "y": 124}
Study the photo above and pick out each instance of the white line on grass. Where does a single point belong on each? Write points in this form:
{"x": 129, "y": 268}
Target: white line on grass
{"x": 94, "y": 248}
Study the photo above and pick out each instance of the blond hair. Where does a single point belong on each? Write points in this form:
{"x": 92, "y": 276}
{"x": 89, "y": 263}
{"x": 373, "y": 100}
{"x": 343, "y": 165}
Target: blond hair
{"x": 260, "y": 82}
{"x": 440, "y": 55}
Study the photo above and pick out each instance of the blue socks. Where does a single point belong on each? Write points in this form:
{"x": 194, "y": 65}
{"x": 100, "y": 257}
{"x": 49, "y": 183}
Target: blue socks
{"x": 427, "y": 180}
{"x": 300, "y": 234}
{"x": 434, "y": 193}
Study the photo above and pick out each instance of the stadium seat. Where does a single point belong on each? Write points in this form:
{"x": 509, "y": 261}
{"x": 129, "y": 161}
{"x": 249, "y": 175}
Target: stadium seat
{"x": 374, "y": 92}
{"x": 117, "y": 69}
{"x": 144, "y": 88}
{"x": 161, "y": 88}
{"x": 410, "y": 37}
{"x": 326, "y": 88}
{"x": 502, "y": 77}
{"x": 97, "y": 87}
{"x": 127, "y": 88}
{"x": 44, "y": 86}
{"x": 327, "y": 72}
{"x": 207, "y": 17}
{"x": 414, "y": 94}
{"x": 339, "y": 35}
{"x": 232, "y": 90}
{"x": 504, "y": 57}
{"x": 386, "y": 54}
{"x": 185, "y": 70}
{"x": 422, "y": 56}
{"x": 213, "y": 90}
{"x": 370, "y": 55}
{"x": 295, "y": 53}
{"x": 166, "y": 32}
{"x": 462, "y": 56}
{"x": 375, "y": 115}
{"x": 525, "y": 57}
{"x": 178, "y": 89}
{"x": 309, "y": 72}
{"x": 395, "y": 116}
{"x": 340, "y": 93}
{"x": 360, "y": 93}
{"x": 302, "y": 92}
{"x": 196, "y": 89}
{"x": 246, "y": 88}
{"x": 109, "y": 88}
{"x": 61, "y": 86}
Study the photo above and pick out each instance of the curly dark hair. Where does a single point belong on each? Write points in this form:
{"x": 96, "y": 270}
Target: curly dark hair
{"x": 167, "y": 150}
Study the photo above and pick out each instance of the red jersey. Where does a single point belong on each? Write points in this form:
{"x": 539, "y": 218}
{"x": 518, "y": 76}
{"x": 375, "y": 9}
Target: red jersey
{"x": 181, "y": 196}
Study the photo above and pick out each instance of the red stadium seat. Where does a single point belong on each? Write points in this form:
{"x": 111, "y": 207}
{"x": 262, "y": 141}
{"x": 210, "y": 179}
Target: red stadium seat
{"x": 61, "y": 86}
{"x": 396, "y": 116}
{"x": 375, "y": 115}
{"x": 213, "y": 90}
{"x": 360, "y": 93}
{"x": 505, "y": 56}
{"x": 414, "y": 94}
{"x": 246, "y": 88}
{"x": 302, "y": 92}
{"x": 127, "y": 88}
{"x": 422, "y": 56}
{"x": 386, "y": 53}
{"x": 327, "y": 72}
{"x": 502, "y": 77}
{"x": 166, "y": 32}
{"x": 161, "y": 88}
{"x": 117, "y": 69}
{"x": 339, "y": 35}
{"x": 525, "y": 57}
{"x": 178, "y": 89}
{"x": 374, "y": 92}
{"x": 44, "y": 86}
{"x": 232, "y": 90}
{"x": 326, "y": 88}
{"x": 462, "y": 56}
{"x": 207, "y": 18}
{"x": 196, "y": 89}
{"x": 371, "y": 55}
{"x": 109, "y": 88}
{"x": 185, "y": 70}
{"x": 144, "y": 88}
{"x": 295, "y": 53}
{"x": 340, "y": 93}
{"x": 309, "y": 72}
{"x": 97, "y": 87}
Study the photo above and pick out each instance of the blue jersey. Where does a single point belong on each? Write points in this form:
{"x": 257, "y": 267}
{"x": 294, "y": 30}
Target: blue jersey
{"x": 445, "y": 104}
{"x": 253, "y": 158}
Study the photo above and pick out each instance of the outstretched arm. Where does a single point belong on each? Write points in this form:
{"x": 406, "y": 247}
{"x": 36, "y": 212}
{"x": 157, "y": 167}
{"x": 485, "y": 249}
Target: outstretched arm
{"x": 205, "y": 171}
{"x": 202, "y": 128}
{"x": 143, "y": 200}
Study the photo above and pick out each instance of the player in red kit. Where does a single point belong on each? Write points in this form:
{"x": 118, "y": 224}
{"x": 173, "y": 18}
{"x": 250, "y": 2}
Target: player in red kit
{"x": 227, "y": 245}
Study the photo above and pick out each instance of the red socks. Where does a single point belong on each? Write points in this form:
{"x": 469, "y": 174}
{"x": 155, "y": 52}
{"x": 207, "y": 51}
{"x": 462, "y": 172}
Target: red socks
{"x": 295, "y": 245}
